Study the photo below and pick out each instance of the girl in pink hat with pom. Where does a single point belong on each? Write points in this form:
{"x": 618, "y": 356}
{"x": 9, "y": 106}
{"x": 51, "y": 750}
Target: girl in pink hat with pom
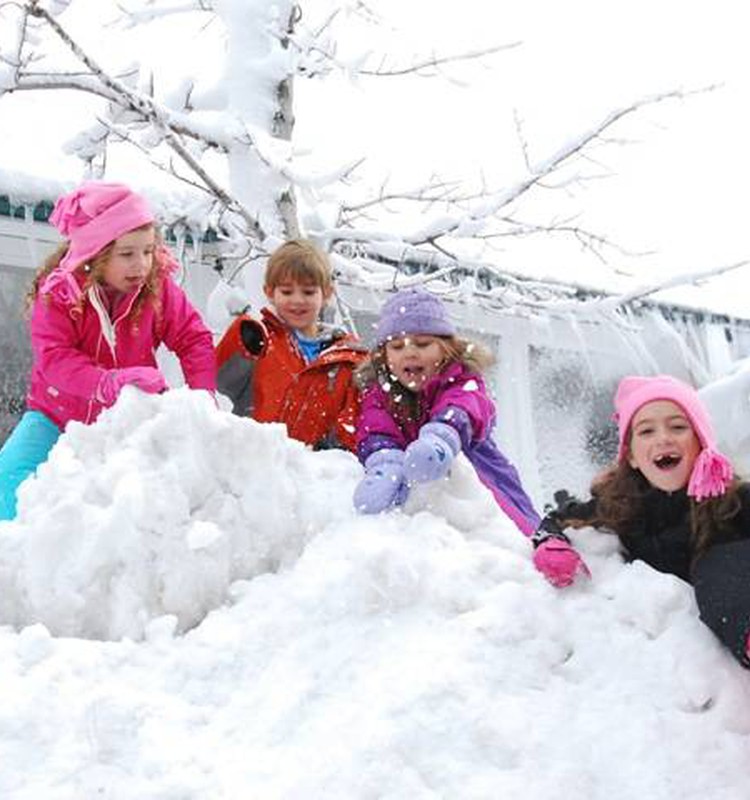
{"x": 673, "y": 500}
{"x": 100, "y": 307}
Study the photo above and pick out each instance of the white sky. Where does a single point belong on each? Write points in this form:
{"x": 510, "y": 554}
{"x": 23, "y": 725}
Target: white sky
{"x": 411, "y": 656}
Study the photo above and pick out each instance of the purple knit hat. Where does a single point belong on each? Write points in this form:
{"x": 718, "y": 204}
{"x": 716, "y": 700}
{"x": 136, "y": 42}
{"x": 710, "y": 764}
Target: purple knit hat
{"x": 712, "y": 471}
{"x": 90, "y": 217}
{"x": 413, "y": 311}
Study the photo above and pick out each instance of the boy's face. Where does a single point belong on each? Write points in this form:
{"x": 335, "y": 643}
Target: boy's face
{"x": 298, "y": 304}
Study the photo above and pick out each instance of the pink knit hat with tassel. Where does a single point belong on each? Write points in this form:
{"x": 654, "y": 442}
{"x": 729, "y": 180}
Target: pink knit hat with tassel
{"x": 712, "y": 471}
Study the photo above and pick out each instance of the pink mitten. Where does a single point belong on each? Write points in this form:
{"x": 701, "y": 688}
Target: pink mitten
{"x": 147, "y": 379}
{"x": 558, "y": 561}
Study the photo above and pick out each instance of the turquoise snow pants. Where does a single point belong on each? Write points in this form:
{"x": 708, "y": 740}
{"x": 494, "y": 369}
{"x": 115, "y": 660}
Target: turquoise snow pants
{"x": 24, "y": 450}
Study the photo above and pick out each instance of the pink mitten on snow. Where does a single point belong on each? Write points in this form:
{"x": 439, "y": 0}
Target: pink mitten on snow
{"x": 147, "y": 379}
{"x": 556, "y": 558}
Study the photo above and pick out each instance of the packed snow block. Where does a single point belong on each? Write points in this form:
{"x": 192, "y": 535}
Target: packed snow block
{"x": 728, "y": 402}
{"x": 156, "y": 509}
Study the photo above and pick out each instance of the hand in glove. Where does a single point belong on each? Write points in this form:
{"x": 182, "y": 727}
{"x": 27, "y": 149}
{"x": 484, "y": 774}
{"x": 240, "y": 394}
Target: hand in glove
{"x": 554, "y": 555}
{"x": 147, "y": 379}
{"x": 429, "y": 457}
{"x": 383, "y": 485}
{"x": 568, "y": 507}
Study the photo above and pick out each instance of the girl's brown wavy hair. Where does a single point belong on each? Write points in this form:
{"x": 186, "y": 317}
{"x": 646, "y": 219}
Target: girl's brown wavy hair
{"x": 621, "y": 497}
{"x": 93, "y": 269}
{"x": 403, "y": 403}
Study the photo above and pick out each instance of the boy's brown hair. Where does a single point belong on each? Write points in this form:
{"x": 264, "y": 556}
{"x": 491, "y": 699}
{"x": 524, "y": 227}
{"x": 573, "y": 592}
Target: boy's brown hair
{"x": 301, "y": 261}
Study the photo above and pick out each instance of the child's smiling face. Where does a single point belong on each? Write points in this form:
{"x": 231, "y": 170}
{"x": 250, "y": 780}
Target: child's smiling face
{"x": 298, "y": 304}
{"x": 414, "y": 359}
{"x": 663, "y": 445}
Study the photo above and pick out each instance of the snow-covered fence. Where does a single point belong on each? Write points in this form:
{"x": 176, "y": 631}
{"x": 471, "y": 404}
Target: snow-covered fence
{"x": 555, "y": 371}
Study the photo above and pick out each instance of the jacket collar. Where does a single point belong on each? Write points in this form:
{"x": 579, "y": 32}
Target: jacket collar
{"x": 326, "y": 333}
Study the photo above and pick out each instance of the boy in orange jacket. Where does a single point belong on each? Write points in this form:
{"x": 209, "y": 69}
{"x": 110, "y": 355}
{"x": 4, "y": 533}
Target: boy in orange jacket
{"x": 288, "y": 366}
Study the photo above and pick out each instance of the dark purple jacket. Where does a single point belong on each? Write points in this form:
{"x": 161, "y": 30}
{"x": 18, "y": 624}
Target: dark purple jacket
{"x": 458, "y": 397}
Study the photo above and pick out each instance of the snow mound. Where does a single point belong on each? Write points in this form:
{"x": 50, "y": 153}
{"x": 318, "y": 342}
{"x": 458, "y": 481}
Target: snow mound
{"x": 155, "y": 510}
{"x": 728, "y": 402}
{"x": 164, "y": 503}
{"x": 323, "y": 654}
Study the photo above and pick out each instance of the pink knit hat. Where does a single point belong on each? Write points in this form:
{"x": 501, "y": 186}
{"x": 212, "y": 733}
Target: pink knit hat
{"x": 712, "y": 471}
{"x": 92, "y": 216}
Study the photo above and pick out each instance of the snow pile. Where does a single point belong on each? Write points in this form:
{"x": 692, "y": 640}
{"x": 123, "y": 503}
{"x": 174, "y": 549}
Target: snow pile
{"x": 413, "y": 655}
{"x": 156, "y": 510}
{"x": 728, "y": 402}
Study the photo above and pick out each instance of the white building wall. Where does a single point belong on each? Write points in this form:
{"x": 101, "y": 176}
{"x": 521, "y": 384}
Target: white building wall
{"x": 554, "y": 375}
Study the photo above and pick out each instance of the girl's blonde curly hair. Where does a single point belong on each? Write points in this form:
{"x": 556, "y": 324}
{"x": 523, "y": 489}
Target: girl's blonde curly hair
{"x": 93, "y": 269}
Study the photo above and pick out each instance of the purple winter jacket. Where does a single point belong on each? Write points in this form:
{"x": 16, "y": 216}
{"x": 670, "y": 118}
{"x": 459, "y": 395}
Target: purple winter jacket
{"x": 74, "y": 348}
{"x": 458, "y": 397}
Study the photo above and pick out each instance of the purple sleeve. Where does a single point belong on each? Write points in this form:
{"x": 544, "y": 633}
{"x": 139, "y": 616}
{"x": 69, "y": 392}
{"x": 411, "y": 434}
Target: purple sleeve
{"x": 376, "y": 428}
{"x": 459, "y": 419}
{"x": 495, "y": 471}
{"x": 469, "y": 396}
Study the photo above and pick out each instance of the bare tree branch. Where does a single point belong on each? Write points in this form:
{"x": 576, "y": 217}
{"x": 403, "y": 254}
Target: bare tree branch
{"x": 434, "y": 61}
{"x": 120, "y": 94}
{"x": 147, "y": 15}
{"x": 612, "y": 302}
{"x": 492, "y": 204}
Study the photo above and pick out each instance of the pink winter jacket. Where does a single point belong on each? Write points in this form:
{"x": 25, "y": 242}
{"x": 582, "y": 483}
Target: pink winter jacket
{"x": 74, "y": 348}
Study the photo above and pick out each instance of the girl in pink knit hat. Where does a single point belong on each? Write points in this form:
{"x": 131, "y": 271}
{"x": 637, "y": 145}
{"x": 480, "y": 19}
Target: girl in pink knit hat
{"x": 673, "y": 500}
{"x": 424, "y": 401}
{"x": 100, "y": 307}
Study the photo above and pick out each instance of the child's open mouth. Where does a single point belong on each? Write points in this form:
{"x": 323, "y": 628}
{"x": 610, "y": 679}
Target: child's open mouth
{"x": 667, "y": 461}
{"x": 413, "y": 376}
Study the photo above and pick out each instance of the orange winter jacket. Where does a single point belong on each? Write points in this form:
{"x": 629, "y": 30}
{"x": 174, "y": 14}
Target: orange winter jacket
{"x": 262, "y": 370}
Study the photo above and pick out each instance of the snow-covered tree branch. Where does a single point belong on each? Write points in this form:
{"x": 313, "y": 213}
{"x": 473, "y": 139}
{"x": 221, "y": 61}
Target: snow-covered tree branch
{"x": 231, "y": 137}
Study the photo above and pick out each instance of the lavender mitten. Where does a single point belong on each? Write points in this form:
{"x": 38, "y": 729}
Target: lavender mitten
{"x": 429, "y": 457}
{"x": 147, "y": 379}
{"x": 384, "y": 485}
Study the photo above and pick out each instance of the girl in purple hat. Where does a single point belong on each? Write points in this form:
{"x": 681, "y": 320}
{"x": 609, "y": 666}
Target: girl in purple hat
{"x": 100, "y": 307}
{"x": 674, "y": 502}
{"x": 424, "y": 401}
